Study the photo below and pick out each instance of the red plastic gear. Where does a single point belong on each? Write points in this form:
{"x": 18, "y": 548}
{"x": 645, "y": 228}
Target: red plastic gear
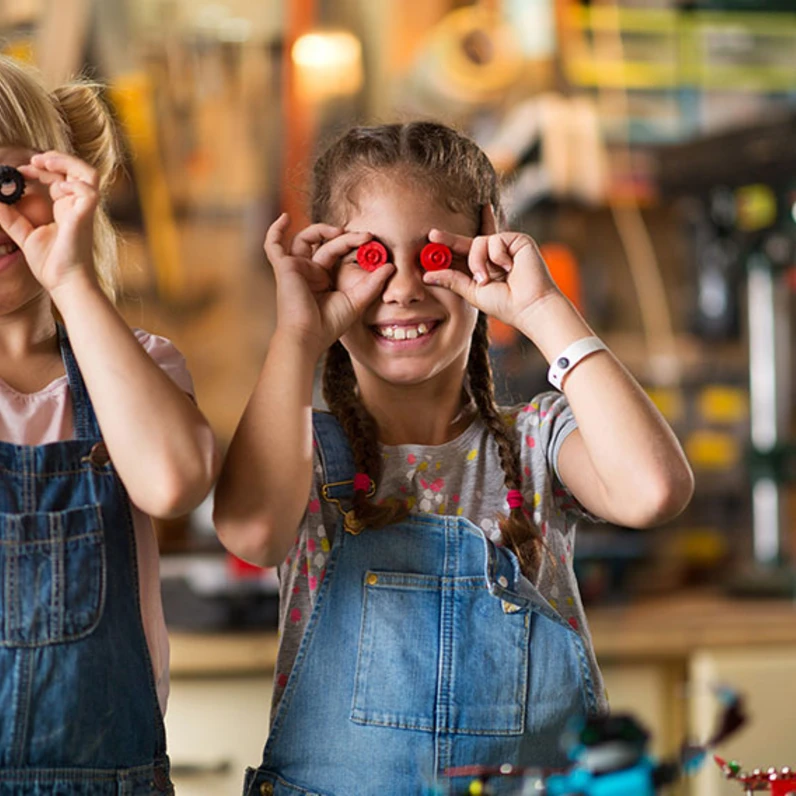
{"x": 435, "y": 257}
{"x": 371, "y": 255}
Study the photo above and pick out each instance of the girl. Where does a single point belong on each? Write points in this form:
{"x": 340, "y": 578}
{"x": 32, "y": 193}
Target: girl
{"x": 97, "y": 433}
{"x": 430, "y": 616}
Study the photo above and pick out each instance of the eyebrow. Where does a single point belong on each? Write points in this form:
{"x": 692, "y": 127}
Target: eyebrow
{"x": 414, "y": 242}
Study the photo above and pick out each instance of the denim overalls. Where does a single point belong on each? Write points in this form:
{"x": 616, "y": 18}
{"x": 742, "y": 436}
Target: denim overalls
{"x": 426, "y": 649}
{"x": 78, "y": 707}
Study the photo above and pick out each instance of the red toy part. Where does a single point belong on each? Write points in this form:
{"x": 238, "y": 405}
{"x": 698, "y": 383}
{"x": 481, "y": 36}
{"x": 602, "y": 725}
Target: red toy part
{"x": 777, "y": 782}
{"x": 435, "y": 257}
{"x": 371, "y": 255}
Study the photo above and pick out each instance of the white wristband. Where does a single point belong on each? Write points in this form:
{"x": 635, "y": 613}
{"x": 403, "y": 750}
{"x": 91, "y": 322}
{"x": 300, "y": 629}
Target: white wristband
{"x": 570, "y": 357}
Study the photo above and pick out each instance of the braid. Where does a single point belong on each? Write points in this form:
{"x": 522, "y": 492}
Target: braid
{"x": 339, "y": 392}
{"x": 519, "y": 532}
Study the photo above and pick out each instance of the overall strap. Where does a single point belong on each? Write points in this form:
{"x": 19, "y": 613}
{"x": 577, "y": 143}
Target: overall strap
{"x": 336, "y": 456}
{"x": 85, "y": 421}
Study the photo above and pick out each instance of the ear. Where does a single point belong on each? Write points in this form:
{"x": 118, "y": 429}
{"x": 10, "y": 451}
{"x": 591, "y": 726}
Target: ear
{"x": 489, "y": 224}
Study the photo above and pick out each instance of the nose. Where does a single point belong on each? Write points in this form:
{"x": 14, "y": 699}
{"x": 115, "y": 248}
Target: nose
{"x": 406, "y": 284}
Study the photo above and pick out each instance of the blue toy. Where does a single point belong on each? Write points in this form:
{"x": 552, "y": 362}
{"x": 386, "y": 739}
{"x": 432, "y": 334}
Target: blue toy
{"x": 609, "y": 758}
{"x": 609, "y": 755}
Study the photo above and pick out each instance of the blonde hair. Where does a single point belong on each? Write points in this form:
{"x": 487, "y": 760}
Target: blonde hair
{"x": 72, "y": 119}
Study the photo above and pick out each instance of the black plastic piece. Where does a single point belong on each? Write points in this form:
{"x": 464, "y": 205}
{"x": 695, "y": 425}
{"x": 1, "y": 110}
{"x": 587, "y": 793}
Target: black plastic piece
{"x": 12, "y": 185}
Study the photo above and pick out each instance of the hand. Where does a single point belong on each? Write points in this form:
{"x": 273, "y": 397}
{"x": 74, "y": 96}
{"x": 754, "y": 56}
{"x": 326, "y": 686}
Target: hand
{"x": 507, "y": 275}
{"x": 308, "y": 304}
{"x": 61, "y": 249}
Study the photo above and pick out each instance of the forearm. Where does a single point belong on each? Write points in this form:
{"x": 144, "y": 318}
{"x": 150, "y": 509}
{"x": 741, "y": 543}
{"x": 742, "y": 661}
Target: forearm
{"x": 265, "y": 481}
{"x": 643, "y": 474}
{"x": 160, "y": 443}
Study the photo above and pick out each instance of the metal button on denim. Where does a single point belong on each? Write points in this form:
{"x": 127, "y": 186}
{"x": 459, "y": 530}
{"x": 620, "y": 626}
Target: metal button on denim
{"x": 99, "y": 455}
{"x": 503, "y": 581}
{"x": 266, "y": 789}
{"x": 372, "y": 579}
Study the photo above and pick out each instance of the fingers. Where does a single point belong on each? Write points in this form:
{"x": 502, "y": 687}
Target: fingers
{"x": 15, "y": 225}
{"x": 79, "y": 190}
{"x": 489, "y": 225}
{"x": 489, "y": 257}
{"x": 455, "y": 281}
{"x": 329, "y": 254}
{"x": 306, "y": 241}
{"x": 58, "y": 164}
{"x": 274, "y": 238}
{"x": 317, "y": 279}
{"x": 364, "y": 292}
{"x": 458, "y": 244}
{"x": 498, "y": 252}
{"x": 464, "y": 246}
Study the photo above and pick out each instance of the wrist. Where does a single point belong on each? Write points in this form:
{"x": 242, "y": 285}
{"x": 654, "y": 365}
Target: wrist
{"x": 73, "y": 289}
{"x": 552, "y": 324}
{"x": 302, "y": 348}
{"x": 570, "y": 357}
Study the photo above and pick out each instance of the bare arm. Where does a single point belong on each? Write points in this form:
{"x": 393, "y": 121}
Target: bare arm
{"x": 266, "y": 478}
{"x": 623, "y": 463}
{"x": 265, "y": 482}
{"x": 160, "y": 443}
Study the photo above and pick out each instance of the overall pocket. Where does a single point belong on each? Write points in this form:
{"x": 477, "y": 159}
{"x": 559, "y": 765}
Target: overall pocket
{"x": 52, "y": 576}
{"x": 440, "y": 654}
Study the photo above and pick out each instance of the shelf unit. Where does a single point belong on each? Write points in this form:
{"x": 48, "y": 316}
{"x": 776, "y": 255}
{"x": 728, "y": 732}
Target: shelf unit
{"x": 683, "y": 71}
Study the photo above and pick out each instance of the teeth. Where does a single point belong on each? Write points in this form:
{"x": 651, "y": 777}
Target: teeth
{"x": 7, "y": 248}
{"x": 403, "y": 332}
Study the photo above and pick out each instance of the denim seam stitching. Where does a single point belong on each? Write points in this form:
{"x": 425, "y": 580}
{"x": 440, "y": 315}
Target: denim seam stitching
{"x": 306, "y": 639}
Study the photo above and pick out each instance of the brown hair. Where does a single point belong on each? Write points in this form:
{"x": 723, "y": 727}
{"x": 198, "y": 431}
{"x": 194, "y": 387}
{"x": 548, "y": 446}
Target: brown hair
{"x": 71, "y": 119}
{"x": 462, "y": 177}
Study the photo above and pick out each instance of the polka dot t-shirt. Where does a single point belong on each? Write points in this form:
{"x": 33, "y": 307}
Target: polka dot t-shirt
{"x": 461, "y": 477}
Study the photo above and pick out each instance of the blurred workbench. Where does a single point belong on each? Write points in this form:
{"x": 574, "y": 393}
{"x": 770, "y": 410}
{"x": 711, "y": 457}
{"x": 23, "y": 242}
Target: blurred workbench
{"x": 660, "y": 658}
{"x": 670, "y": 627}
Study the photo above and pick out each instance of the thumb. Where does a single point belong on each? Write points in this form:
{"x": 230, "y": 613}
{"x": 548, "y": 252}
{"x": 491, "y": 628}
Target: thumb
{"x": 455, "y": 281}
{"x": 364, "y": 293}
{"x": 15, "y": 225}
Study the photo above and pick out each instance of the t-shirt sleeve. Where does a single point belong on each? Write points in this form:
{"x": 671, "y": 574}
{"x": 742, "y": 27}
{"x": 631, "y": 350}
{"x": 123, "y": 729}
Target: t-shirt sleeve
{"x": 168, "y": 358}
{"x": 548, "y": 420}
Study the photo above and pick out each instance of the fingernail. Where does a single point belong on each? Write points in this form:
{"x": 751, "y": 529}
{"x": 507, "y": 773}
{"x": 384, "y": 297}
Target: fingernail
{"x": 479, "y": 277}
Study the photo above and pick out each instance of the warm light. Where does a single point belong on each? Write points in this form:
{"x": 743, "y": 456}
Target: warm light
{"x": 328, "y": 64}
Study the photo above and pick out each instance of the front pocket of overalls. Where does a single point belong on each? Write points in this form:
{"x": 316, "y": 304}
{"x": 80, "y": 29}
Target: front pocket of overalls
{"x": 52, "y": 576}
{"x": 438, "y": 654}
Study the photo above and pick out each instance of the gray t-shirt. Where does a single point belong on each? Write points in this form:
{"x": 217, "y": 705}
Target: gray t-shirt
{"x": 461, "y": 477}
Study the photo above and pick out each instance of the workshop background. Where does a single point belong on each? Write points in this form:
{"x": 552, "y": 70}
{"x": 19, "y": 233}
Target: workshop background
{"x": 647, "y": 145}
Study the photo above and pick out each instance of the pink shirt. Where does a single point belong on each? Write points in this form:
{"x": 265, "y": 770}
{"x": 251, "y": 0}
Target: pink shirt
{"x": 46, "y": 416}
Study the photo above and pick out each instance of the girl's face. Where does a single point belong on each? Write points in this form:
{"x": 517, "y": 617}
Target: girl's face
{"x": 18, "y": 286}
{"x": 413, "y": 332}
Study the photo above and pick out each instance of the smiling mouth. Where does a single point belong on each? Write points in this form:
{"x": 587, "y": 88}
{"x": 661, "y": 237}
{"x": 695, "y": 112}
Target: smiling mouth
{"x": 404, "y": 331}
{"x": 8, "y": 248}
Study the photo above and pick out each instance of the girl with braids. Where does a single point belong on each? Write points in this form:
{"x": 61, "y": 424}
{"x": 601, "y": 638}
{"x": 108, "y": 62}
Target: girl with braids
{"x": 430, "y": 616}
{"x": 96, "y": 434}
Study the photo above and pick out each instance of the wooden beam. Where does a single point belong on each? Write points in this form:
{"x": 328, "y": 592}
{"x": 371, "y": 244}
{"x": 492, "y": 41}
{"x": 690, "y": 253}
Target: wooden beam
{"x": 299, "y": 119}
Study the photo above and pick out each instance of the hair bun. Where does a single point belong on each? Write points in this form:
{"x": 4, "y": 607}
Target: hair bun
{"x": 90, "y": 126}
